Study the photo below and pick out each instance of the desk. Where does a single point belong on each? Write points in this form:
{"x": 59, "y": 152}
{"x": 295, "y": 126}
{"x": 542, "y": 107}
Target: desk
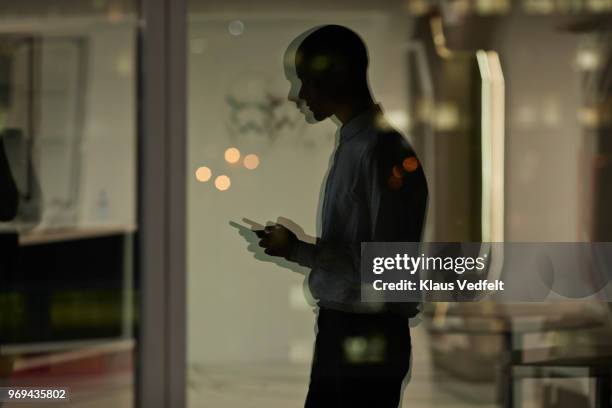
{"x": 511, "y": 322}
{"x": 73, "y": 284}
{"x": 552, "y": 363}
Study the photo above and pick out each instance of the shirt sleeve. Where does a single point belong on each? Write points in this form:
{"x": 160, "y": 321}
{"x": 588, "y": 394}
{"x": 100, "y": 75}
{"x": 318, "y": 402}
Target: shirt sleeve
{"x": 335, "y": 276}
{"x": 397, "y": 191}
{"x": 395, "y": 204}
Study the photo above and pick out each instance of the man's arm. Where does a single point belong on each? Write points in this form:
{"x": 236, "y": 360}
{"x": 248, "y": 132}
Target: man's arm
{"x": 396, "y": 213}
{"x": 340, "y": 258}
{"x": 397, "y": 191}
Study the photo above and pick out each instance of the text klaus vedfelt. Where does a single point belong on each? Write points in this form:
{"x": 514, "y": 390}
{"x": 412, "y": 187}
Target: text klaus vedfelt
{"x": 412, "y": 264}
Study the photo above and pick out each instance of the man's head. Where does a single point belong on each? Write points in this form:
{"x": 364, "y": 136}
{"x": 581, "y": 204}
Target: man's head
{"x": 327, "y": 66}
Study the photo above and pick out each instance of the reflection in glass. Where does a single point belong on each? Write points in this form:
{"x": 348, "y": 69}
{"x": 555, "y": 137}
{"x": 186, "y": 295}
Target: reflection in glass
{"x": 68, "y": 143}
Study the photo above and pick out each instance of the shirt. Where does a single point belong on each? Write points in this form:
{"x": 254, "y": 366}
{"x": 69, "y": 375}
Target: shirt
{"x": 375, "y": 191}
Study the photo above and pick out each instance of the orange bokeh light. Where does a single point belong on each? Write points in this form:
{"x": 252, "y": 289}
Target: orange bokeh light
{"x": 410, "y": 164}
{"x": 251, "y": 161}
{"x": 223, "y": 182}
{"x": 397, "y": 172}
{"x": 203, "y": 174}
{"x": 232, "y": 155}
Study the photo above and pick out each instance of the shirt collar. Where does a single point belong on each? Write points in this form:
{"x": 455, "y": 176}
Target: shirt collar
{"x": 359, "y": 122}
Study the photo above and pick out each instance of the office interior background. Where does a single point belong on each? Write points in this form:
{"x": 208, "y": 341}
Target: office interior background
{"x": 136, "y": 132}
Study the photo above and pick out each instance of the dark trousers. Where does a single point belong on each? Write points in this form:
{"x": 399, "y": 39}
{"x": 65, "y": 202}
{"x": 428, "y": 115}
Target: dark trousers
{"x": 360, "y": 360}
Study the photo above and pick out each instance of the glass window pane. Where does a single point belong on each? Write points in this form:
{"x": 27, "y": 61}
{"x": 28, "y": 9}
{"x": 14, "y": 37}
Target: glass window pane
{"x": 506, "y": 104}
{"x": 68, "y": 162}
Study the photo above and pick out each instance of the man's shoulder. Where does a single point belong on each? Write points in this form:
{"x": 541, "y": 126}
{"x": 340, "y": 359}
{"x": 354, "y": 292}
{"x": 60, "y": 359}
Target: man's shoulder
{"x": 389, "y": 143}
{"x": 392, "y": 153}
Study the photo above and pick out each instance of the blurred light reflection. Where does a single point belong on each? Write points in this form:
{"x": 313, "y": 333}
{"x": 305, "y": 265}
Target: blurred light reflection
{"x": 251, "y": 161}
{"x": 203, "y": 174}
{"x": 223, "y": 182}
{"x": 232, "y": 155}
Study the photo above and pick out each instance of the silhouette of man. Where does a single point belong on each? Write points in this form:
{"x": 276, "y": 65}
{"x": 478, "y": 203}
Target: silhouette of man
{"x": 375, "y": 191}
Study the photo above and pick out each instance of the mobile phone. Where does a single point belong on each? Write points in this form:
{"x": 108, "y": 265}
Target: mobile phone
{"x": 255, "y": 228}
{"x": 260, "y": 233}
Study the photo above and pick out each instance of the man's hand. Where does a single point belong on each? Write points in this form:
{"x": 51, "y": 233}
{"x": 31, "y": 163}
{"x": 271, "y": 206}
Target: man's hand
{"x": 278, "y": 241}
